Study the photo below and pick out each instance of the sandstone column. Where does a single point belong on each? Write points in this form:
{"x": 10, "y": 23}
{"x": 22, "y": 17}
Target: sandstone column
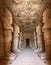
{"x": 16, "y": 38}
{"x": 32, "y": 41}
{"x": 39, "y": 37}
{"x": 20, "y": 40}
{"x": 8, "y": 29}
{"x": 47, "y": 31}
{"x": 8, "y": 40}
{"x": 35, "y": 40}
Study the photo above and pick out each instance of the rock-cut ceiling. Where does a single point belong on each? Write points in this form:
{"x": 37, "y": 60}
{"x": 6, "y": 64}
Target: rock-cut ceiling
{"x": 27, "y": 13}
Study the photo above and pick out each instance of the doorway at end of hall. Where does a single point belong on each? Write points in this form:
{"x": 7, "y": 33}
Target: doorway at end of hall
{"x": 27, "y": 42}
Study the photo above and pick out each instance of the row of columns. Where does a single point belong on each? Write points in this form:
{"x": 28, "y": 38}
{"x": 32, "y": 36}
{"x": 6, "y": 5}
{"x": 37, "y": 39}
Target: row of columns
{"x": 11, "y": 35}
{"x": 42, "y": 35}
{"x": 39, "y": 38}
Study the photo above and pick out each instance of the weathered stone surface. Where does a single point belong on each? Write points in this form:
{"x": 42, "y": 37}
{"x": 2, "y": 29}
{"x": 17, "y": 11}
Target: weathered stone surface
{"x": 47, "y": 31}
{"x": 35, "y": 40}
{"x": 1, "y": 40}
{"x": 20, "y": 41}
{"x": 7, "y": 41}
{"x": 16, "y": 38}
{"x": 8, "y": 29}
{"x": 39, "y": 37}
{"x": 27, "y": 12}
{"x": 1, "y": 8}
{"x": 7, "y": 19}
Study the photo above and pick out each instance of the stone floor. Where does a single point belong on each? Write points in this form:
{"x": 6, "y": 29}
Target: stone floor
{"x": 26, "y": 57}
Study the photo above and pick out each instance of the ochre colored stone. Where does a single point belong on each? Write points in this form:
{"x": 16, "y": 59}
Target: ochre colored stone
{"x": 1, "y": 40}
{"x": 47, "y": 31}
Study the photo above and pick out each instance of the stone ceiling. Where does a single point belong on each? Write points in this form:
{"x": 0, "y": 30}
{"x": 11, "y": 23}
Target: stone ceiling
{"x": 27, "y": 13}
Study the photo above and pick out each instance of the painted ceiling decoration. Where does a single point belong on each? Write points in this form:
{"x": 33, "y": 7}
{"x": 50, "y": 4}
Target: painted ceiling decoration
{"x": 27, "y": 13}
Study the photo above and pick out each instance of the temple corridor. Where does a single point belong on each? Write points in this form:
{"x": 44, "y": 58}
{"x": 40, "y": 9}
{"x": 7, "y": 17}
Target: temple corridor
{"x": 25, "y": 32}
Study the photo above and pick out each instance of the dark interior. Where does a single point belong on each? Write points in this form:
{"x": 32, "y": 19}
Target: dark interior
{"x": 27, "y": 42}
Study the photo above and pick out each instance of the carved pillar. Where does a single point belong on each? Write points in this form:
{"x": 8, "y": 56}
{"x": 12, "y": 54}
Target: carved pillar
{"x": 8, "y": 40}
{"x": 47, "y": 31}
{"x": 20, "y": 40}
{"x": 35, "y": 40}
{"x": 32, "y": 41}
{"x": 39, "y": 37}
{"x": 16, "y": 38}
{"x": 8, "y": 29}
